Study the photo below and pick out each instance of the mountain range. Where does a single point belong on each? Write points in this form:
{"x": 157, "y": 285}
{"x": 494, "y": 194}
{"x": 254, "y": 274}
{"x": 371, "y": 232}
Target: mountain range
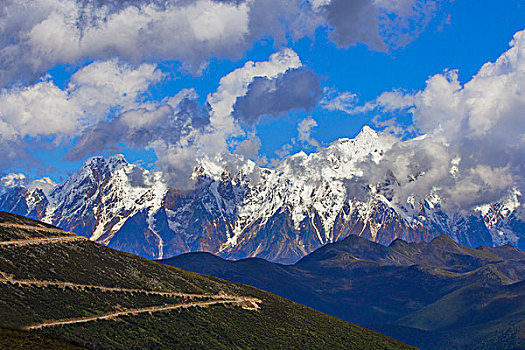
{"x": 435, "y": 295}
{"x": 55, "y": 285}
{"x": 244, "y": 210}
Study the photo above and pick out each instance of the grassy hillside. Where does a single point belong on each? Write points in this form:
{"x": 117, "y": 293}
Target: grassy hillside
{"x": 491, "y": 315}
{"x": 102, "y": 298}
{"x": 434, "y": 295}
{"x": 22, "y": 340}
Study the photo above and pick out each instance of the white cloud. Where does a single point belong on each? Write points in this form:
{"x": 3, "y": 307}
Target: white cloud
{"x": 36, "y": 35}
{"x": 43, "y": 110}
{"x": 20, "y": 180}
{"x": 477, "y": 128}
{"x": 234, "y": 85}
{"x": 112, "y": 83}
{"x": 140, "y": 118}
{"x": 339, "y": 101}
{"x": 40, "y": 109}
{"x": 145, "y": 126}
{"x": 13, "y": 180}
{"x": 304, "y": 130}
{"x": 348, "y": 102}
{"x": 178, "y": 160}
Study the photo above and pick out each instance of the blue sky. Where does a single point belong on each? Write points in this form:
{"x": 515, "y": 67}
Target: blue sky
{"x": 461, "y": 34}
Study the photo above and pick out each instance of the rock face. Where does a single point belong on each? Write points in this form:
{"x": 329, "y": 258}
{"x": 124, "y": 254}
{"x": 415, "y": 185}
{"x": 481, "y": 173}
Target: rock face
{"x": 278, "y": 214}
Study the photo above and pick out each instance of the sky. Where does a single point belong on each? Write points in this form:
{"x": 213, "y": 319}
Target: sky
{"x": 169, "y": 82}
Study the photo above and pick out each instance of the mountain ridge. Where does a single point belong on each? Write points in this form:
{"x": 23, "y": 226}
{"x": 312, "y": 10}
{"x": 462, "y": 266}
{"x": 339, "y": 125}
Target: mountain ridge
{"x": 411, "y": 291}
{"x": 279, "y": 214}
{"x": 98, "y": 297}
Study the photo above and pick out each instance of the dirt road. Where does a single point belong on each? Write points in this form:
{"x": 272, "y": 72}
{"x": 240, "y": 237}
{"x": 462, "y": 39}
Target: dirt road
{"x": 5, "y": 278}
{"x": 46, "y": 240}
{"x": 34, "y": 228}
{"x": 248, "y": 303}
{"x": 245, "y": 303}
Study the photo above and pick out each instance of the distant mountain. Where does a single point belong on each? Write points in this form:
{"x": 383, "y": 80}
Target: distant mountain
{"x": 242, "y": 210}
{"x": 435, "y": 295}
{"x": 56, "y": 284}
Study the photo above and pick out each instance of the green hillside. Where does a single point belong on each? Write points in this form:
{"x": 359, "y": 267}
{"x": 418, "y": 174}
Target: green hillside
{"x": 22, "y": 340}
{"x": 481, "y": 311}
{"x": 65, "y": 286}
{"x": 434, "y": 295}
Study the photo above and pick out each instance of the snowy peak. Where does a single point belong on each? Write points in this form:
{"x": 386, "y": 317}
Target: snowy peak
{"x": 97, "y": 171}
{"x": 366, "y": 131}
{"x": 238, "y": 209}
{"x": 368, "y": 143}
{"x": 103, "y": 165}
{"x": 102, "y": 194}
{"x": 14, "y": 180}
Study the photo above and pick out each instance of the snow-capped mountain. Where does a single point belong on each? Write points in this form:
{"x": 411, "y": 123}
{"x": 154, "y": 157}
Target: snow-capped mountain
{"x": 279, "y": 214}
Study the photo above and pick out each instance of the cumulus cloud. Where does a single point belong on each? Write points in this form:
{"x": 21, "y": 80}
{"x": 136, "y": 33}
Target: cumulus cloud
{"x": 295, "y": 89}
{"x": 233, "y": 86}
{"x": 347, "y": 102}
{"x": 44, "y": 109}
{"x": 378, "y": 23}
{"x": 20, "y": 180}
{"x": 304, "y": 130}
{"x": 42, "y": 116}
{"x": 36, "y": 35}
{"x": 142, "y": 128}
{"x": 215, "y": 140}
{"x": 339, "y": 101}
{"x": 473, "y": 142}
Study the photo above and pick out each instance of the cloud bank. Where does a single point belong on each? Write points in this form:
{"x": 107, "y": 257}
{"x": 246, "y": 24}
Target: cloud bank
{"x": 37, "y": 35}
{"x": 473, "y": 142}
{"x": 43, "y": 115}
{"x": 105, "y": 106}
{"x": 293, "y": 90}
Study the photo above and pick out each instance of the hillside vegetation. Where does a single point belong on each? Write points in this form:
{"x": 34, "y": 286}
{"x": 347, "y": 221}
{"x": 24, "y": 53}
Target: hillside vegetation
{"x": 59, "y": 285}
{"x": 434, "y": 295}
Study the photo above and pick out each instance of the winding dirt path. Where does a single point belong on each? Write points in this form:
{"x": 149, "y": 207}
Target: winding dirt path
{"x": 245, "y": 303}
{"x": 46, "y": 240}
{"x": 41, "y": 283}
{"x": 34, "y": 228}
{"x": 248, "y": 303}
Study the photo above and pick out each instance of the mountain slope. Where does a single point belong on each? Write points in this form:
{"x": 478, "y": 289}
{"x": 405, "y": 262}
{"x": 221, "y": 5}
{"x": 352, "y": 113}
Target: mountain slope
{"x": 66, "y": 286}
{"x": 237, "y": 209}
{"x": 23, "y": 340}
{"x": 435, "y": 295}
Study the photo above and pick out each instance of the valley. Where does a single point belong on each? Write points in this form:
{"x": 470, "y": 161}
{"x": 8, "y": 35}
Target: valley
{"x": 435, "y": 295}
